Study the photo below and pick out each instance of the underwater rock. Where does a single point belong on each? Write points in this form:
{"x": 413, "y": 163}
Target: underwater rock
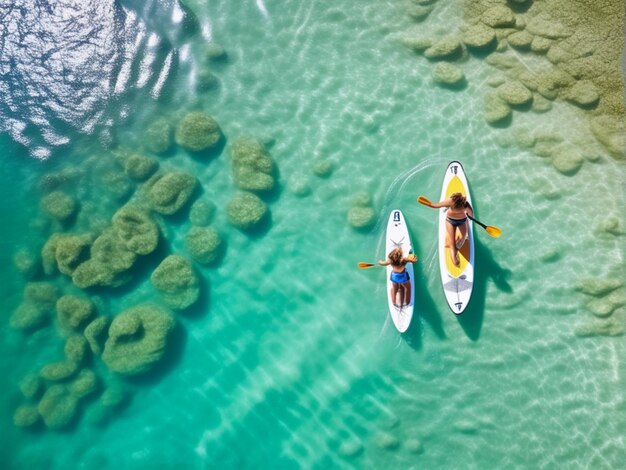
{"x": 27, "y": 263}
{"x": 521, "y": 40}
{"x": 414, "y": 446}
{"x": 612, "y": 326}
{"x": 251, "y": 165}
{"x": 559, "y": 55}
{"x": 362, "y": 214}
{"x": 132, "y": 349}
{"x": 546, "y": 26}
{"x": 567, "y": 160}
{"x": 417, "y": 44}
{"x": 59, "y": 205}
{"x": 110, "y": 260}
{"x": 85, "y": 384}
{"x": 31, "y": 386}
{"x": 350, "y": 448}
{"x": 206, "y": 81}
{"x": 550, "y": 255}
{"x": 514, "y": 93}
{"x": 246, "y": 210}
{"x": 598, "y": 287}
{"x": 552, "y": 81}
{"x": 496, "y": 110}
{"x": 419, "y": 12}
{"x": 299, "y": 185}
{"x": 70, "y": 251}
{"x": 74, "y": 312}
{"x": 28, "y": 317}
{"x": 158, "y": 136}
{"x": 540, "y": 104}
{"x": 479, "y": 37}
{"x": 584, "y": 93}
{"x": 37, "y": 307}
{"x": 203, "y": 244}
{"x": 140, "y": 167}
{"x": 523, "y": 137}
{"x": 58, "y": 371}
{"x": 177, "y": 282}
{"x": 498, "y": 16}
{"x": 95, "y": 273}
{"x": 136, "y": 229}
{"x": 495, "y": 82}
{"x": 503, "y": 62}
{"x": 215, "y": 53}
{"x": 167, "y": 193}
{"x": 601, "y": 307}
{"x": 323, "y": 168}
{"x": 42, "y": 294}
{"x": 540, "y": 45}
{"x": 466, "y": 427}
{"x": 57, "y": 407}
{"x": 386, "y": 441}
{"x": 446, "y": 73}
{"x": 26, "y": 416}
{"x": 51, "y": 181}
{"x": 111, "y": 248}
{"x": 76, "y": 349}
{"x": 444, "y": 48}
{"x": 611, "y": 225}
{"x": 96, "y": 334}
{"x": 201, "y": 213}
{"x": 197, "y": 132}
{"x": 48, "y": 254}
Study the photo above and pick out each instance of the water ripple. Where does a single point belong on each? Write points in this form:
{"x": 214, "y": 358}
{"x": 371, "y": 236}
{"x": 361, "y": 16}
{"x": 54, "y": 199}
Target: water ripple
{"x": 62, "y": 64}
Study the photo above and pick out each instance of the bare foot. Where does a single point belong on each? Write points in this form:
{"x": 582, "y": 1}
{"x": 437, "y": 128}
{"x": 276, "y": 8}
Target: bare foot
{"x": 455, "y": 259}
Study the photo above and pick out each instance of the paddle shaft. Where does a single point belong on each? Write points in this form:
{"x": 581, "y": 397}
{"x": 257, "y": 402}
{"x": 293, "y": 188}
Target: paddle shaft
{"x": 477, "y": 221}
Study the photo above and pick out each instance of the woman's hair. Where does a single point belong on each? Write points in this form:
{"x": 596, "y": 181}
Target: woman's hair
{"x": 458, "y": 201}
{"x": 396, "y": 257}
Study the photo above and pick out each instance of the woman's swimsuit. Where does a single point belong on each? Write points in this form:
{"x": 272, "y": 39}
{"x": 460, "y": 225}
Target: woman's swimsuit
{"x": 399, "y": 278}
{"x": 456, "y": 222}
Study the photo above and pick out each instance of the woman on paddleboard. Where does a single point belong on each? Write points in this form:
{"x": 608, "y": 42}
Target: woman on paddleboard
{"x": 456, "y": 222}
{"x": 401, "y": 282}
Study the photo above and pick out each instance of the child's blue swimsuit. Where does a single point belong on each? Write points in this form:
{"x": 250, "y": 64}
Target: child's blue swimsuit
{"x": 399, "y": 277}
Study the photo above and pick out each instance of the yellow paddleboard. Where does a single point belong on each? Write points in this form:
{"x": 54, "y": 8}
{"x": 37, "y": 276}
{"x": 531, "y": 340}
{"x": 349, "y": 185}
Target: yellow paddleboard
{"x": 457, "y": 281}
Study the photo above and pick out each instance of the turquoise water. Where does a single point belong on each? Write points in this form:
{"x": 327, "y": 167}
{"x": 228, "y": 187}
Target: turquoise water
{"x": 290, "y": 360}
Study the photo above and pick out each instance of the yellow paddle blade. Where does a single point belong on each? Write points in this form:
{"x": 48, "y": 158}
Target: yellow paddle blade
{"x": 365, "y": 265}
{"x": 425, "y": 201}
{"x": 495, "y": 232}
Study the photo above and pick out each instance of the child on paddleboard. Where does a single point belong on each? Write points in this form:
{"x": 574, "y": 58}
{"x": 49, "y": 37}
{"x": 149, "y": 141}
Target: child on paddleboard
{"x": 456, "y": 219}
{"x": 399, "y": 276}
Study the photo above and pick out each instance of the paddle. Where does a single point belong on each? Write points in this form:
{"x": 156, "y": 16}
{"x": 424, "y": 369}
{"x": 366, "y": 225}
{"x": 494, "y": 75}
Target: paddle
{"x": 495, "y": 232}
{"x": 366, "y": 265}
{"x": 412, "y": 258}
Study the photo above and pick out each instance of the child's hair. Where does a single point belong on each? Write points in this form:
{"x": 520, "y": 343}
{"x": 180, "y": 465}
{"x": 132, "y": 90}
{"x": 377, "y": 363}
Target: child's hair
{"x": 458, "y": 201}
{"x": 396, "y": 257}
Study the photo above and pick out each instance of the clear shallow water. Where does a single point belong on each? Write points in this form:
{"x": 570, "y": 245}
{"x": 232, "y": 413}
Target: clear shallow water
{"x": 291, "y": 361}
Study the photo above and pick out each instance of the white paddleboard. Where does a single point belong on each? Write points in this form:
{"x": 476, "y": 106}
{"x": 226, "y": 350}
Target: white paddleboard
{"x": 457, "y": 281}
{"x": 398, "y": 235}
